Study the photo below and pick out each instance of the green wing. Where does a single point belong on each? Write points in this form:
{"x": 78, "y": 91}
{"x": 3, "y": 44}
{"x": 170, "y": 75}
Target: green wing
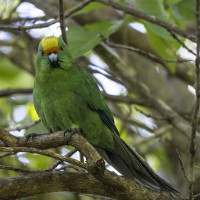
{"x": 95, "y": 100}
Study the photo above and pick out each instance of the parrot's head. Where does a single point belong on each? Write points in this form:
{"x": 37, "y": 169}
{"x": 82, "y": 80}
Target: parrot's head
{"x": 53, "y": 54}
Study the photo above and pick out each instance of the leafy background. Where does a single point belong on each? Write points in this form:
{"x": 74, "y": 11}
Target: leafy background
{"x": 140, "y": 123}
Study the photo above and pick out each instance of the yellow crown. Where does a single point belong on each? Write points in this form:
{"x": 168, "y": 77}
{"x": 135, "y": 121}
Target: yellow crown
{"x": 50, "y": 44}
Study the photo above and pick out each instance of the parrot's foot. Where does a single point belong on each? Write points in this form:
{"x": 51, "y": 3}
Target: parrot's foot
{"x": 71, "y": 132}
{"x": 32, "y": 136}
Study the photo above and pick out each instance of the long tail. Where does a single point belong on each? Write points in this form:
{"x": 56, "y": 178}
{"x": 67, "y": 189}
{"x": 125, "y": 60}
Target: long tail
{"x": 133, "y": 166}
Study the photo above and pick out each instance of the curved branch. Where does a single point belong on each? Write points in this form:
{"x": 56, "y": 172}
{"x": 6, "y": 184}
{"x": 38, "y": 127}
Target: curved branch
{"x": 50, "y": 182}
{"x": 114, "y": 186}
{"x": 27, "y": 126}
{"x": 145, "y": 53}
{"x": 45, "y": 153}
{"x": 55, "y": 181}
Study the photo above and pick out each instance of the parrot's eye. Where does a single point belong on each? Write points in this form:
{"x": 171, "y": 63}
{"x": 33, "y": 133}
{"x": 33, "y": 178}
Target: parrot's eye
{"x": 42, "y": 53}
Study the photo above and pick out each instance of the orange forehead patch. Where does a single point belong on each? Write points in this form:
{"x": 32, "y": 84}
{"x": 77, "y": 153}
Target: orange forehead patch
{"x": 53, "y": 49}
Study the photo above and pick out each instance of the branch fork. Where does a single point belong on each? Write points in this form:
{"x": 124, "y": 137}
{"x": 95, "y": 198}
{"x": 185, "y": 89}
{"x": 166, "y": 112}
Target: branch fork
{"x": 107, "y": 183}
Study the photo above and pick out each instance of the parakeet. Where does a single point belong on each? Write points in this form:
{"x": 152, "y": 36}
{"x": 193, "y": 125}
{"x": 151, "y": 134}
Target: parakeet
{"x": 66, "y": 97}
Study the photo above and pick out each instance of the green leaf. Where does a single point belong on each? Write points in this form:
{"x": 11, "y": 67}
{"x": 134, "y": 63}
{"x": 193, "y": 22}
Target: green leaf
{"x": 155, "y": 8}
{"x": 11, "y": 76}
{"x": 184, "y": 10}
{"x": 84, "y": 38}
{"x": 160, "y": 39}
{"x": 9, "y": 70}
{"x": 80, "y": 41}
{"x": 38, "y": 161}
{"x": 164, "y": 48}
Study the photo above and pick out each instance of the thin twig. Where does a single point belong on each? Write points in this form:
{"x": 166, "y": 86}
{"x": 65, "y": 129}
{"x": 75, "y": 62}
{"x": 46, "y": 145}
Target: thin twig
{"x": 62, "y": 21}
{"x": 126, "y": 99}
{"x": 182, "y": 167}
{"x": 134, "y": 84}
{"x": 106, "y": 73}
{"x": 114, "y": 98}
{"x": 77, "y": 8}
{"x": 109, "y": 76}
{"x": 24, "y": 19}
{"x": 46, "y": 24}
{"x": 45, "y": 153}
{"x": 197, "y": 195}
{"x": 157, "y": 133}
{"x": 24, "y": 127}
{"x": 115, "y": 5}
{"x": 194, "y": 118}
{"x": 69, "y": 154}
{"x": 149, "y": 18}
{"x": 145, "y": 53}
{"x": 182, "y": 43}
{"x": 149, "y": 115}
{"x": 133, "y": 122}
{"x": 21, "y": 27}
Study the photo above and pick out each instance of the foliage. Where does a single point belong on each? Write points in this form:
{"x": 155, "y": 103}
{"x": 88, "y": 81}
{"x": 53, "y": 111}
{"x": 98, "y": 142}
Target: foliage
{"x": 142, "y": 123}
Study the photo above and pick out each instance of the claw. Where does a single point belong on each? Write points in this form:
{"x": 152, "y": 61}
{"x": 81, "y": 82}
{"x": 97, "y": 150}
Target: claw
{"x": 71, "y": 132}
{"x": 31, "y": 135}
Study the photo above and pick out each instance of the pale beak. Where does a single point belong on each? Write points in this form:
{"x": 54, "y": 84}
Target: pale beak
{"x": 53, "y": 57}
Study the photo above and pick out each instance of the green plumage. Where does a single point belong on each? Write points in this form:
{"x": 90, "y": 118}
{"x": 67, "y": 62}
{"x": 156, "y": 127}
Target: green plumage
{"x": 66, "y": 96}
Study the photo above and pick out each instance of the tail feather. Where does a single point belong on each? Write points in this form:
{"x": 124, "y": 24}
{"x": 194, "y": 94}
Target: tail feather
{"x": 133, "y": 166}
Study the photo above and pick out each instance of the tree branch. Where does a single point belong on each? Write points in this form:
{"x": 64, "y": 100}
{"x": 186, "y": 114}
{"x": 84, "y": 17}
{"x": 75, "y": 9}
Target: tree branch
{"x": 117, "y": 6}
{"x": 9, "y": 92}
{"x": 44, "y": 153}
{"x": 145, "y": 53}
{"x": 54, "y": 181}
{"x": 136, "y": 86}
{"x": 126, "y": 99}
{"x": 182, "y": 43}
{"x": 42, "y": 25}
{"x": 157, "y": 134}
{"x": 194, "y": 118}
{"x": 62, "y": 22}
{"x": 149, "y": 18}
{"x": 113, "y": 98}
{"x": 69, "y": 154}
{"x": 25, "y": 126}
{"x": 106, "y": 183}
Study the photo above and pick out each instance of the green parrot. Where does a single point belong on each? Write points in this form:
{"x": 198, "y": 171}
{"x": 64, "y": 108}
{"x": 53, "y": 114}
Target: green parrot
{"x": 67, "y": 97}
